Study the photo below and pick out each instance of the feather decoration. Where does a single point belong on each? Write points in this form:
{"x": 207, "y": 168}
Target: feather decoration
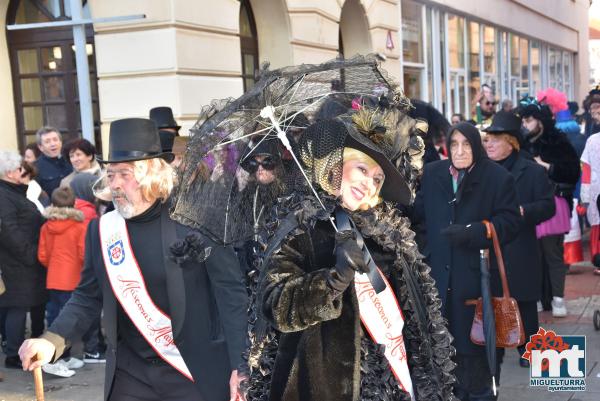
{"x": 375, "y": 124}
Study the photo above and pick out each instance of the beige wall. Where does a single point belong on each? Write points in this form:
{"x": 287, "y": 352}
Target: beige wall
{"x": 179, "y": 56}
{"x": 8, "y": 124}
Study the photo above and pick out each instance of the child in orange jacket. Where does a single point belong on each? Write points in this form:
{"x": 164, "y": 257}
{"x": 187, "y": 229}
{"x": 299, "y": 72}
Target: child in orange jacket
{"x": 61, "y": 251}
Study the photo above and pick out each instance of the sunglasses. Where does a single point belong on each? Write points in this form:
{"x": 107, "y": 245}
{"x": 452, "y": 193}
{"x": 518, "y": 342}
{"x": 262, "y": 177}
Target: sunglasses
{"x": 268, "y": 164}
{"x": 488, "y": 103}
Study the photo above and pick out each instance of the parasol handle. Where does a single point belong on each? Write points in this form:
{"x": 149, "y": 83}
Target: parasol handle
{"x": 269, "y": 112}
{"x": 38, "y": 381}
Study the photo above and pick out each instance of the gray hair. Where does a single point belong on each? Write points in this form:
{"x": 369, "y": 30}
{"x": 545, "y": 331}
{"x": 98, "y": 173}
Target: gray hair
{"x": 9, "y": 160}
{"x": 46, "y": 130}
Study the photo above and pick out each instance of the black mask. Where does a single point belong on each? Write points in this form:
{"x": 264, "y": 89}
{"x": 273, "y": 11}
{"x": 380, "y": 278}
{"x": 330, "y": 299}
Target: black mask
{"x": 268, "y": 163}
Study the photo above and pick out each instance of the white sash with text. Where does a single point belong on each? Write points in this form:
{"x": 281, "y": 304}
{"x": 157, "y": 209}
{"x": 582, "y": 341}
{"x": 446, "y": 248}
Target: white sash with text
{"x": 130, "y": 290}
{"x": 381, "y": 316}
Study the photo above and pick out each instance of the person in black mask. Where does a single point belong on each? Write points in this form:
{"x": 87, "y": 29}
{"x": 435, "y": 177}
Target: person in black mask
{"x": 167, "y": 126}
{"x": 551, "y": 149}
{"x": 264, "y": 184}
{"x": 536, "y": 204}
{"x": 456, "y": 196}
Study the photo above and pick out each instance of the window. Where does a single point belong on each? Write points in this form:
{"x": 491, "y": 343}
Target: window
{"x": 412, "y": 32}
{"x": 44, "y": 72}
{"x": 456, "y": 41}
{"x": 536, "y": 77}
{"x": 474, "y": 60}
{"x": 249, "y": 45}
{"x": 457, "y": 73}
{"x": 413, "y": 50}
{"x": 568, "y": 77}
{"x": 524, "y": 50}
{"x": 490, "y": 59}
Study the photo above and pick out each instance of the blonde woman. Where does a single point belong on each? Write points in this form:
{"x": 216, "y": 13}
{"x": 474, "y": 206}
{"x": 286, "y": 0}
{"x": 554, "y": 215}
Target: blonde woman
{"x": 346, "y": 324}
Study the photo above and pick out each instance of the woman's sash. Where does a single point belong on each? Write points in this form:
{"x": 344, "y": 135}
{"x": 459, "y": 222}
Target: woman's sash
{"x": 128, "y": 285}
{"x": 380, "y": 312}
{"x": 381, "y": 316}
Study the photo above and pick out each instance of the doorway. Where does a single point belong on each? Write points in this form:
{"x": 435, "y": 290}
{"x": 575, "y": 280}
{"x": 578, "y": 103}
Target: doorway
{"x": 44, "y": 74}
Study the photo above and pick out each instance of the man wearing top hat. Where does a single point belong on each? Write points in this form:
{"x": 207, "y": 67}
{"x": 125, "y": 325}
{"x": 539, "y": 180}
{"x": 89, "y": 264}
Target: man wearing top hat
{"x": 167, "y": 126}
{"x": 174, "y": 302}
{"x": 536, "y": 204}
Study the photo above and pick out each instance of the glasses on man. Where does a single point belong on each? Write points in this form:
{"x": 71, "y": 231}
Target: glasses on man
{"x": 267, "y": 163}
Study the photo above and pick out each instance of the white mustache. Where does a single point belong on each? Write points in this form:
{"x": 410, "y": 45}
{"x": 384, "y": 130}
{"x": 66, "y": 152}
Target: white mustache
{"x": 119, "y": 194}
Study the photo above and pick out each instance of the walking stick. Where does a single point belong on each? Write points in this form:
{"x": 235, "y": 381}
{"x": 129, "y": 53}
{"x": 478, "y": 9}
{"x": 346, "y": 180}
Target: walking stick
{"x": 38, "y": 382}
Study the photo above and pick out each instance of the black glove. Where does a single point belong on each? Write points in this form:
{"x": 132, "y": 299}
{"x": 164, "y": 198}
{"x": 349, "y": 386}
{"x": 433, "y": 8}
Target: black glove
{"x": 457, "y": 234}
{"x": 349, "y": 258}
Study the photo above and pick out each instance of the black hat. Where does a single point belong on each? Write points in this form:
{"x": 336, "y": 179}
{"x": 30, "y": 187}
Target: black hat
{"x": 395, "y": 188}
{"x": 530, "y": 107}
{"x": 163, "y": 117}
{"x": 132, "y": 139}
{"x": 321, "y": 151}
{"x": 262, "y": 145}
{"x": 505, "y": 122}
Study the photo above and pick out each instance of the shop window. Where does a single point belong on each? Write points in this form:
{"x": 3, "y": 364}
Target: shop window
{"x": 413, "y": 51}
{"x": 456, "y": 42}
{"x": 524, "y": 50}
{"x": 568, "y": 77}
{"x": 412, "y": 32}
{"x": 412, "y": 82}
{"x": 474, "y": 61}
{"x": 536, "y": 76}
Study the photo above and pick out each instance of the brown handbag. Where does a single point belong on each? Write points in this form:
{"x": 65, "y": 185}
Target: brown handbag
{"x": 509, "y": 325}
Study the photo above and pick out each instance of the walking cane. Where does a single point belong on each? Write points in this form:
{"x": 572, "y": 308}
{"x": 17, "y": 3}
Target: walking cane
{"x": 38, "y": 381}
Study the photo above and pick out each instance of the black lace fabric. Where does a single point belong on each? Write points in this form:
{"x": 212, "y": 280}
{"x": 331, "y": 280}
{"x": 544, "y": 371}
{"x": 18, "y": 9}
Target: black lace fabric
{"x": 427, "y": 339}
{"x": 211, "y": 184}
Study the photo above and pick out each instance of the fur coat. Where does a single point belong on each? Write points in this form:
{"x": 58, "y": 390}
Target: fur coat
{"x": 312, "y": 346}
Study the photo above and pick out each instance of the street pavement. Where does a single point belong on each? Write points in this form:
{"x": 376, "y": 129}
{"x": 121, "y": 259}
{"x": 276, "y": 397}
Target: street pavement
{"x": 582, "y": 292}
{"x": 583, "y": 297}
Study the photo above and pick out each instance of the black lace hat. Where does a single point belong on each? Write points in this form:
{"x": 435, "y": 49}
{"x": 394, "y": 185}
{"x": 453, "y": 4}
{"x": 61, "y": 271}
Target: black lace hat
{"x": 321, "y": 151}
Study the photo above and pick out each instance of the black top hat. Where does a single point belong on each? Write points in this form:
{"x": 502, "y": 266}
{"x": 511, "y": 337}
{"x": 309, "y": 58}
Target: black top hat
{"x": 132, "y": 139}
{"x": 505, "y": 122}
{"x": 163, "y": 117}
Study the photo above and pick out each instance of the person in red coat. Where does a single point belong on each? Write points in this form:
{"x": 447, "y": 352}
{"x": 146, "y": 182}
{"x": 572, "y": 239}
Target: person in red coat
{"x": 61, "y": 251}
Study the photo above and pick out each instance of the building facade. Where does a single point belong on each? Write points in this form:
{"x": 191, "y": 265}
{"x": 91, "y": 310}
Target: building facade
{"x": 185, "y": 53}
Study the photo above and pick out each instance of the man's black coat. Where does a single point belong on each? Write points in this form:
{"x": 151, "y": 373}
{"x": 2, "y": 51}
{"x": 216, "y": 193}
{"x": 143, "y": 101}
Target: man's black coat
{"x": 51, "y": 170}
{"x": 521, "y": 255}
{"x": 488, "y": 193}
{"x": 207, "y": 303}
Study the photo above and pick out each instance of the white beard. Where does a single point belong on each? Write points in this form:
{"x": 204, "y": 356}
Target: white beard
{"x": 127, "y": 211}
